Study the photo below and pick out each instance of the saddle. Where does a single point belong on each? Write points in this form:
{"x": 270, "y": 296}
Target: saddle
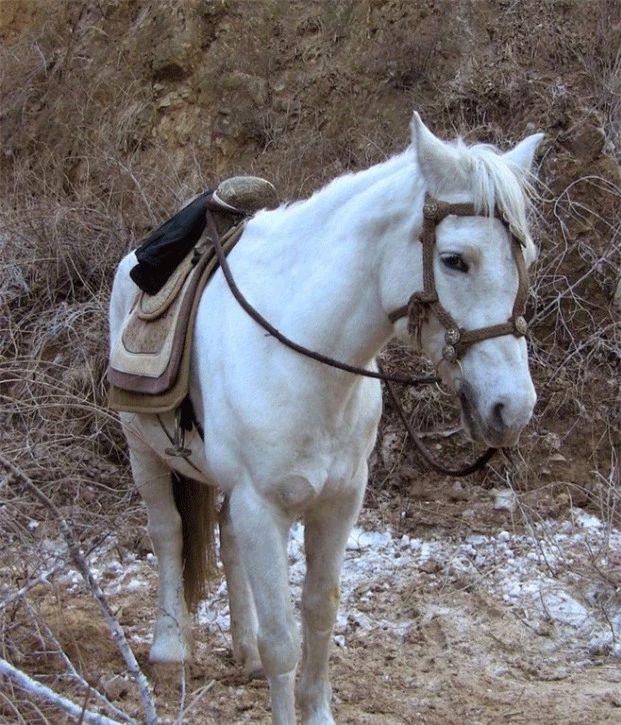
{"x": 149, "y": 366}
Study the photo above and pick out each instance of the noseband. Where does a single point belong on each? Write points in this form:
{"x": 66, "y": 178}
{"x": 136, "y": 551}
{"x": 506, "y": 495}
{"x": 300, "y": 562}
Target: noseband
{"x": 457, "y": 339}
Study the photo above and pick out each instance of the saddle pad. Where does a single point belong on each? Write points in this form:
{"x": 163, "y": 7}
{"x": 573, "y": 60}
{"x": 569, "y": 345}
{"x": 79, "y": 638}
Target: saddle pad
{"x": 150, "y": 307}
{"x": 150, "y": 362}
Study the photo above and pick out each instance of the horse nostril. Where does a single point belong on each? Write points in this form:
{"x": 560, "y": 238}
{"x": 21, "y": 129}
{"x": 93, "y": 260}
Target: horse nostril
{"x": 497, "y": 417}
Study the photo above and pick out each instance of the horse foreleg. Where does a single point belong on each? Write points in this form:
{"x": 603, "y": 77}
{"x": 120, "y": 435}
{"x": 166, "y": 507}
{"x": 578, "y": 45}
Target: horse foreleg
{"x": 261, "y": 530}
{"x": 327, "y": 528}
{"x": 244, "y": 624}
{"x": 172, "y": 637}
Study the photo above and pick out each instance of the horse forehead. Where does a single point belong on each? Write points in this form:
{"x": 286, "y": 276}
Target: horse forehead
{"x": 486, "y": 234}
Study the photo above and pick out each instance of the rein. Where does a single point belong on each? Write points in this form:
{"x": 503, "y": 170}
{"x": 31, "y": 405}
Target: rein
{"x": 257, "y": 317}
{"x": 424, "y": 451}
{"x": 457, "y": 339}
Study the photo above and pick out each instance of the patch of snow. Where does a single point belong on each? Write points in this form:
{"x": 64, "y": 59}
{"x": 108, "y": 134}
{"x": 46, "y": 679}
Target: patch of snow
{"x": 587, "y": 520}
{"x": 534, "y": 575}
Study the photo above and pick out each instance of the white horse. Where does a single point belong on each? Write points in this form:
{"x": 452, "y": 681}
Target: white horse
{"x": 286, "y": 436}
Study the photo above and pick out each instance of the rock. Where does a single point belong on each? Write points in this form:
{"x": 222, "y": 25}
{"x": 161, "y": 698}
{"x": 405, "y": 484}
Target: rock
{"x": 115, "y": 687}
{"x": 505, "y": 500}
{"x": 458, "y": 492}
{"x": 431, "y": 566}
{"x": 615, "y": 699}
{"x": 587, "y": 138}
{"x": 254, "y": 86}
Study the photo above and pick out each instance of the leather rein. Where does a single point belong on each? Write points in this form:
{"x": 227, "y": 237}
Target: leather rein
{"x": 420, "y": 304}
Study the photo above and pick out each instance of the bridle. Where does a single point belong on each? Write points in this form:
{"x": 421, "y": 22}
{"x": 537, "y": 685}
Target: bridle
{"x": 457, "y": 340}
{"x": 419, "y": 305}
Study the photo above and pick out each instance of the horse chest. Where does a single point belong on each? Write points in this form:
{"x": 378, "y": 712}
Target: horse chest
{"x": 327, "y": 457}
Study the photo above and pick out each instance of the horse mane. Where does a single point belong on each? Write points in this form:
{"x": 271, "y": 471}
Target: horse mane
{"x": 493, "y": 182}
{"x": 497, "y": 183}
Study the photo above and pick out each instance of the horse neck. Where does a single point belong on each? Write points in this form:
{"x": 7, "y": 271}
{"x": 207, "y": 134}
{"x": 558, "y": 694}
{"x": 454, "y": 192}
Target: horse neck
{"x": 355, "y": 224}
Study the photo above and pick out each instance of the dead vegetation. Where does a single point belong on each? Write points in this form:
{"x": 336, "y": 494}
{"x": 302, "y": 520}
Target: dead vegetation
{"x": 105, "y": 134}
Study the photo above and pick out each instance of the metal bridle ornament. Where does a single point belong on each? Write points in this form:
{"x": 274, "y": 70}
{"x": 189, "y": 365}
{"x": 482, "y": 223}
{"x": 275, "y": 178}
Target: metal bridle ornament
{"x": 420, "y": 303}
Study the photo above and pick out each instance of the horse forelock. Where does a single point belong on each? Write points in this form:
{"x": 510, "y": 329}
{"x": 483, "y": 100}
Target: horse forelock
{"x": 495, "y": 183}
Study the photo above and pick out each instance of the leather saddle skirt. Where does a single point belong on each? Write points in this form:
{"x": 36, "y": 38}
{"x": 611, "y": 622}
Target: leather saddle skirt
{"x": 149, "y": 366}
{"x": 150, "y": 362}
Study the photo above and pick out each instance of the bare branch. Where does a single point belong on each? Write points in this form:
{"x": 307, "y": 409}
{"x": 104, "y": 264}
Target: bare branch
{"x": 45, "y": 693}
{"x": 116, "y": 631}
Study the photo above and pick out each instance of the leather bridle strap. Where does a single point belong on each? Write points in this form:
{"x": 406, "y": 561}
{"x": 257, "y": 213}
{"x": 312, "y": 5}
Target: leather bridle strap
{"x": 266, "y": 325}
{"x": 457, "y": 339}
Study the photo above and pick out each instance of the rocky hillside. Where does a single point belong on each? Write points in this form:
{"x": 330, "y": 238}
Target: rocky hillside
{"x": 114, "y": 112}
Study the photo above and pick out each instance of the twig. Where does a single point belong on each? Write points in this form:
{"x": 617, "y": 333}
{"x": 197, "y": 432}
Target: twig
{"x": 41, "y": 579}
{"x": 199, "y": 695}
{"x": 74, "y": 673}
{"x": 46, "y": 693}
{"x": 542, "y": 314}
{"x": 118, "y": 636}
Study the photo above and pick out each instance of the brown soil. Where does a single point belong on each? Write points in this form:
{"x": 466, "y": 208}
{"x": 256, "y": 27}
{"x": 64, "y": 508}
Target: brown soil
{"x": 427, "y": 647}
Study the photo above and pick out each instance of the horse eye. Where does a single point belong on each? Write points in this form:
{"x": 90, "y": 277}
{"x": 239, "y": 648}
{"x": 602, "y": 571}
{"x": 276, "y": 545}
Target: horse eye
{"x": 454, "y": 262}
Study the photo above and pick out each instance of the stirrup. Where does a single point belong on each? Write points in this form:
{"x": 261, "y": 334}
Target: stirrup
{"x": 178, "y": 448}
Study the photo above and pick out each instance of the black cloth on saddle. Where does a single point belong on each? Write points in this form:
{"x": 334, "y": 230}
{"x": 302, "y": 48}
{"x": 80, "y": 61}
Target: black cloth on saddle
{"x": 165, "y": 248}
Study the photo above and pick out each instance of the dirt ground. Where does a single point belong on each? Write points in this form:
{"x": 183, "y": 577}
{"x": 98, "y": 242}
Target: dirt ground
{"x": 418, "y": 645}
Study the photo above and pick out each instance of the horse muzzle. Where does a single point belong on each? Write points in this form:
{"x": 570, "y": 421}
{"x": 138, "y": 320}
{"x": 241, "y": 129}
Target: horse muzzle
{"x": 497, "y": 424}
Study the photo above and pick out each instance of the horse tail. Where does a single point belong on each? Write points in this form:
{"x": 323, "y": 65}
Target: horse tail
{"x": 196, "y": 504}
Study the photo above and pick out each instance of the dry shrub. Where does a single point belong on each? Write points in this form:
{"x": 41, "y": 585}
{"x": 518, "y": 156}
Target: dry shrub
{"x": 576, "y": 348}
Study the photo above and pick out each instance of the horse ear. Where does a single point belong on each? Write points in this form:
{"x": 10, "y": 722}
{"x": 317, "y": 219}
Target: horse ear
{"x": 523, "y": 155}
{"x": 438, "y": 161}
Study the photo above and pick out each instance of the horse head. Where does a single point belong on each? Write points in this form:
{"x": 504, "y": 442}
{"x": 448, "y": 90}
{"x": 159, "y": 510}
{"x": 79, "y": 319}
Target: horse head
{"x": 477, "y": 249}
